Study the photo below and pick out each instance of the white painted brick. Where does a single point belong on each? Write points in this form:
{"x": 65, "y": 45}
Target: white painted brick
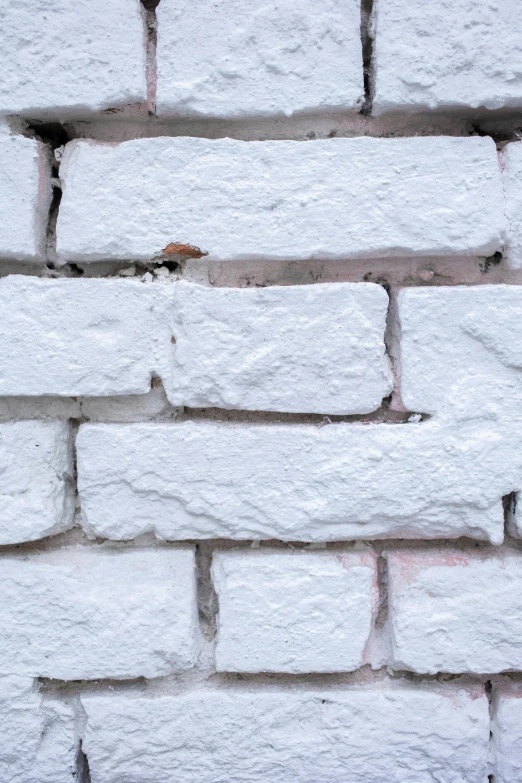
{"x": 81, "y": 613}
{"x": 137, "y": 407}
{"x": 64, "y": 58}
{"x": 455, "y": 611}
{"x": 294, "y": 612}
{"x": 461, "y": 352}
{"x": 38, "y": 738}
{"x": 341, "y": 481}
{"x": 230, "y": 59}
{"x": 36, "y": 469}
{"x": 453, "y": 54}
{"x": 311, "y": 349}
{"x": 283, "y": 200}
{"x": 506, "y": 733}
{"x": 25, "y": 197}
{"x": 511, "y": 159}
{"x": 81, "y": 337}
{"x": 384, "y": 735}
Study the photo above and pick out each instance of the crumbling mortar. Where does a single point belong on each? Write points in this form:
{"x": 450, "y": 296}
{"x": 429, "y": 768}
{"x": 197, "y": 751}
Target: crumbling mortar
{"x": 367, "y": 43}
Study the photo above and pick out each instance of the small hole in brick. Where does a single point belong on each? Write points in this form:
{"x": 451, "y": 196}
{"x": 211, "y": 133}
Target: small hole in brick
{"x": 172, "y": 339}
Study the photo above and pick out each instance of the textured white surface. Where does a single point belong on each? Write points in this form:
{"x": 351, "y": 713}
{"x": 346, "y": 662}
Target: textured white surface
{"x": 340, "y": 481}
{"x": 311, "y": 349}
{"x": 511, "y": 159}
{"x": 78, "y": 614}
{"x": 71, "y": 57}
{"x": 507, "y": 736}
{"x": 461, "y": 353}
{"x": 36, "y": 469}
{"x": 25, "y": 197}
{"x": 232, "y": 59}
{"x": 294, "y": 612}
{"x": 451, "y": 54}
{"x": 81, "y": 337}
{"x": 382, "y": 735}
{"x": 455, "y": 611}
{"x": 286, "y": 200}
{"x": 38, "y": 739}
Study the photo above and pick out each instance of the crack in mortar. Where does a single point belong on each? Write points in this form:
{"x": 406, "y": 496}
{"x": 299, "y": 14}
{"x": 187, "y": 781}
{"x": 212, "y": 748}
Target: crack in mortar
{"x": 151, "y": 33}
{"x": 367, "y": 43}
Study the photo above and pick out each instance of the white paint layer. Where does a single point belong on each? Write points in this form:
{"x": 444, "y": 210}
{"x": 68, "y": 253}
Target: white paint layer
{"x": 310, "y": 349}
{"x": 452, "y": 54}
{"x": 455, "y": 611}
{"x": 341, "y": 481}
{"x": 384, "y": 735}
{"x": 230, "y": 59}
{"x": 286, "y": 200}
{"x": 36, "y": 469}
{"x": 506, "y": 735}
{"x": 511, "y": 158}
{"x": 294, "y": 612}
{"x": 39, "y": 742}
{"x": 25, "y": 197}
{"x": 71, "y": 58}
{"x": 92, "y": 613}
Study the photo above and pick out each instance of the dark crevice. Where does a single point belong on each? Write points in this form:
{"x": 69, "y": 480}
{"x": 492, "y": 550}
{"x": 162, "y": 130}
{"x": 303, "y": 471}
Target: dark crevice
{"x": 151, "y": 44}
{"x": 56, "y": 135}
{"x": 207, "y": 599}
{"x": 83, "y": 774}
{"x": 367, "y": 42}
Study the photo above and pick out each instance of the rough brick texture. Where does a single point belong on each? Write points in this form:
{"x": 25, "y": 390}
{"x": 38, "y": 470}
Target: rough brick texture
{"x": 258, "y": 200}
{"x": 71, "y": 59}
{"x": 307, "y": 736}
{"x": 297, "y": 612}
{"x": 275, "y": 59}
{"x": 25, "y": 198}
{"x": 453, "y": 54}
{"x": 59, "y": 600}
{"x": 36, "y": 471}
{"x": 305, "y": 483}
{"x": 260, "y": 391}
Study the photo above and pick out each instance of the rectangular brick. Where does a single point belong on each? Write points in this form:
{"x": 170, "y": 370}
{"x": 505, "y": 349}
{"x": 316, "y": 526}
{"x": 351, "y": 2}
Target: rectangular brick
{"x": 81, "y": 337}
{"x": 279, "y": 58}
{"x": 297, "y": 483}
{"x": 294, "y": 612}
{"x": 461, "y": 351}
{"x": 506, "y": 741}
{"x": 455, "y": 611}
{"x": 281, "y": 200}
{"x": 36, "y": 471}
{"x": 39, "y": 738}
{"x": 80, "y": 613}
{"x": 309, "y": 349}
{"x": 447, "y": 55}
{"x": 77, "y": 57}
{"x": 388, "y": 734}
{"x": 25, "y": 198}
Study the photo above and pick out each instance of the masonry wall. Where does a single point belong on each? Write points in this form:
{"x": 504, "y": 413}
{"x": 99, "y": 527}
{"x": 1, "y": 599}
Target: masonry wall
{"x": 260, "y": 391}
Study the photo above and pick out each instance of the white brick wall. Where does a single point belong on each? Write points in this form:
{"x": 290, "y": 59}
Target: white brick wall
{"x": 260, "y": 391}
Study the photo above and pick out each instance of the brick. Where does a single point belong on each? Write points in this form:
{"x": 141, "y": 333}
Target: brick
{"x": 310, "y": 349}
{"x": 506, "y": 735}
{"x": 78, "y": 613}
{"x": 39, "y": 740}
{"x": 78, "y": 57}
{"x": 511, "y": 159}
{"x": 455, "y": 611}
{"x": 303, "y": 736}
{"x": 281, "y": 200}
{"x": 81, "y": 337}
{"x": 461, "y": 352}
{"x": 36, "y": 470}
{"x": 447, "y": 56}
{"x": 279, "y": 58}
{"x": 294, "y": 612}
{"x": 201, "y": 479}
{"x": 25, "y": 198}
